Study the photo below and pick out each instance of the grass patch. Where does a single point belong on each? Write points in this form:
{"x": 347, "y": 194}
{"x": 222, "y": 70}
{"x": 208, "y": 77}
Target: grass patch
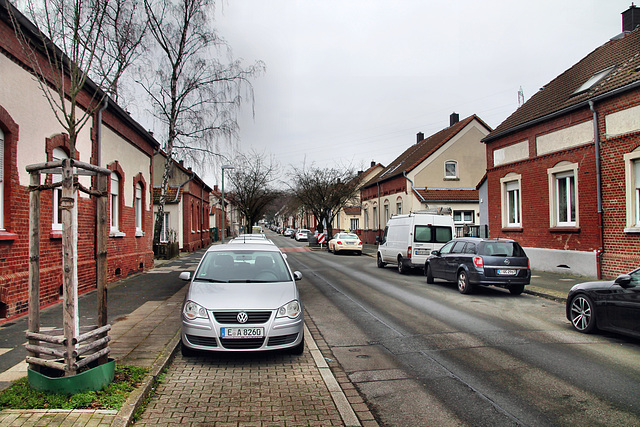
{"x": 21, "y": 396}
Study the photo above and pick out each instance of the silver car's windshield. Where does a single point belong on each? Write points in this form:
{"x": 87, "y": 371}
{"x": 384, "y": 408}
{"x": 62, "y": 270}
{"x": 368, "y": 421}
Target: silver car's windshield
{"x": 243, "y": 266}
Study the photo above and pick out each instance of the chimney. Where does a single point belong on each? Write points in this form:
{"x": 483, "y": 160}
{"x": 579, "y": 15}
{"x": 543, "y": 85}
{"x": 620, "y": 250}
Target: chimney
{"x": 181, "y": 162}
{"x": 215, "y": 187}
{"x": 454, "y": 118}
{"x": 630, "y": 18}
{"x": 373, "y": 163}
{"x": 419, "y": 137}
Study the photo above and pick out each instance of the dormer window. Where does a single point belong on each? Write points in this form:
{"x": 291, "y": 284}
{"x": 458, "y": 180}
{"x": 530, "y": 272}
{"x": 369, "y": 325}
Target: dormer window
{"x": 595, "y": 79}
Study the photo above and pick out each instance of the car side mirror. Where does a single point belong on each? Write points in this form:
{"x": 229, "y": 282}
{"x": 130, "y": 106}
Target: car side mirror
{"x": 624, "y": 280}
{"x": 185, "y": 275}
{"x": 435, "y": 252}
{"x": 297, "y": 275}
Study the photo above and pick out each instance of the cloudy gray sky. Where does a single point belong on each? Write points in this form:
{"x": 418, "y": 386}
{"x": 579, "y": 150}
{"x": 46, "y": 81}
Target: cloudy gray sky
{"x": 353, "y": 81}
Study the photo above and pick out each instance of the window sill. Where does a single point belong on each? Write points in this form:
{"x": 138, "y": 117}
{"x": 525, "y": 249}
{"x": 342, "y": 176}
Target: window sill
{"x": 55, "y": 234}
{"x": 564, "y": 230}
{"x": 451, "y": 178}
{"x": 117, "y": 234}
{"x": 139, "y": 233}
{"x": 7, "y": 236}
{"x": 632, "y": 230}
{"x": 512, "y": 229}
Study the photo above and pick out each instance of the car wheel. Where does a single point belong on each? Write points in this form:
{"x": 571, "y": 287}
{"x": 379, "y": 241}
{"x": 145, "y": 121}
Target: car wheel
{"x": 428, "y": 273}
{"x": 401, "y": 267}
{"x": 186, "y": 351}
{"x": 463, "y": 283}
{"x": 299, "y": 349}
{"x": 379, "y": 261}
{"x": 516, "y": 289}
{"x": 335, "y": 251}
{"x": 582, "y": 313}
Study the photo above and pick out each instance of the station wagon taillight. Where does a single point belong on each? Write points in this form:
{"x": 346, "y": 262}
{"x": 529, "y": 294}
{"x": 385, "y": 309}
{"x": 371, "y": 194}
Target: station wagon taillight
{"x": 478, "y": 262}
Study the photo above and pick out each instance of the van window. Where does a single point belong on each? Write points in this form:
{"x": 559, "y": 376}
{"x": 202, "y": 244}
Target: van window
{"x": 432, "y": 234}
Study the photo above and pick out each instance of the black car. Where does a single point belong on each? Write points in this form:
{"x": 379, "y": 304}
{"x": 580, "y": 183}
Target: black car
{"x": 612, "y": 305}
{"x": 475, "y": 261}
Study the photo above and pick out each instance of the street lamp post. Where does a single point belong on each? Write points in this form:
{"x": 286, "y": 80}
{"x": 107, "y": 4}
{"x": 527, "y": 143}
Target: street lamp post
{"x": 223, "y": 208}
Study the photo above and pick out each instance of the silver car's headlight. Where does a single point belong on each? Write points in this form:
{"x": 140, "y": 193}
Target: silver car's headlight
{"x": 192, "y": 311}
{"x": 290, "y": 309}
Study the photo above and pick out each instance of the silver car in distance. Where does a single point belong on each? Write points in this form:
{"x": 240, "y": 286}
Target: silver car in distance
{"x": 242, "y": 298}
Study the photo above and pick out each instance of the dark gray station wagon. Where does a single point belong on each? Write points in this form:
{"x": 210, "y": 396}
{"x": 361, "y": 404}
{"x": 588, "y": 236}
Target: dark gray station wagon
{"x": 472, "y": 261}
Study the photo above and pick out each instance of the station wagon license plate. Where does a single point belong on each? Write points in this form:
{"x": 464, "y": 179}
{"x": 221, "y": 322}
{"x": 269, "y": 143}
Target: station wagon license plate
{"x": 509, "y": 272}
{"x": 241, "y": 332}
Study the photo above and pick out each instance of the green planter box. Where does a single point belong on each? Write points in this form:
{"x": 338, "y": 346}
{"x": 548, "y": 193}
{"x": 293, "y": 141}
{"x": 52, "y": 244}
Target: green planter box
{"x": 93, "y": 379}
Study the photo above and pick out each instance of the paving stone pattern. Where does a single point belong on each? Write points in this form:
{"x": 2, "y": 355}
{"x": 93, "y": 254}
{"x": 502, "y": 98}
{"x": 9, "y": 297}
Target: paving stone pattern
{"x": 242, "y": 390}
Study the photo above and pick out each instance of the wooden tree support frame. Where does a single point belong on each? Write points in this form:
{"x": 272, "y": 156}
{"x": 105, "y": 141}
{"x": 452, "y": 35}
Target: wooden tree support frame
{"x": 74, "y": 357}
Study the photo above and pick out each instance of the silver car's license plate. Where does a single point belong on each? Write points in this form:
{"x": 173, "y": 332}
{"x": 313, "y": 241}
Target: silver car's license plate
{"x": 504, "y": 272}
{"x": 241, "y": 332}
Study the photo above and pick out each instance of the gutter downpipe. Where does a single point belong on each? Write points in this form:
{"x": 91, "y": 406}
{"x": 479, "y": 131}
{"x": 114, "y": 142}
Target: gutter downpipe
{"x": 378, "y": 219}
{"x": 596, "y": 140}
{"x": 404, "y": 173}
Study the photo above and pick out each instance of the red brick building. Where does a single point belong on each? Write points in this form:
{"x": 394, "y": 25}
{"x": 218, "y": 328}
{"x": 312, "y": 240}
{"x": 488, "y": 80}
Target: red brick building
{"x": 563, "y": 171}
{"x": 30, "y": 134}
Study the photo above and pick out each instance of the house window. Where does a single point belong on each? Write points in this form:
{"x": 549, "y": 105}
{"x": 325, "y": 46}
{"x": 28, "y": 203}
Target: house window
{"x": 376, "y": 223}
{"x": 451, "y": 169}
{"x": 139, "y": 209}
{"x": 563, "y": 202}
{"x": 386, "y": 213}
{"x": 511, "y": 201}
{"x": 463, "y": 217}
{"x": 366, "y": 218}
{"x": 399, "y": 208}
{"x": 1, "y": 180}
{"x": 56, "y": 224}
{"x": 164, "y": 232}
{"x": 355, "y": 224}
{"x": 632, "y": 183}
{"x": 114, "y": 202}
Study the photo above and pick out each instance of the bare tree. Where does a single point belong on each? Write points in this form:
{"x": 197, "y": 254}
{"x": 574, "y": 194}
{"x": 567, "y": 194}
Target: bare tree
{"x": 324, "y": 192}
{"x": 251, "y": 182}
{"x": 195, "y": 95}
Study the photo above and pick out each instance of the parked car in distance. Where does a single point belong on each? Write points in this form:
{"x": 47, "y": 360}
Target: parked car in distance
{"x": 302, "y": 234}
{"x": 242, "y": 297}
{"x": 345, "y": 242}
{"x": 606, "y": 305}
{"x": 472, "y": 261}
{"x": 288, "y": 232}
{"x": 409, "y": 239}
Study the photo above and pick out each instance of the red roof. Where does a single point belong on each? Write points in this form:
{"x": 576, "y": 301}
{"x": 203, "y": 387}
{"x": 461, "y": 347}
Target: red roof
{"x": 447, "y": 195}
{"x": 174, "y": 193}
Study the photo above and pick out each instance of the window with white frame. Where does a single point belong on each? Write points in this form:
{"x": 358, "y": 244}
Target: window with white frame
{"x": 386, "y": 212}
{"x": 376, "y": 223}
{"x": 164, "y": 231}
{"x": 450, "y": 169}
{"x": 114, "y": 202}
{"x": 56, "y": 224}
{"x": 463, "y": 217}
{"x": 138, "y": 204}
{"x": 355, "y": 224}
{"x": 366, "y": 218}
{"x": 399, "y": 208}
{"x": 511, "y": 201}
{"x": 1, "y": 180}
{"x": 632, "y": 184}
{"x": 563, "y": 195}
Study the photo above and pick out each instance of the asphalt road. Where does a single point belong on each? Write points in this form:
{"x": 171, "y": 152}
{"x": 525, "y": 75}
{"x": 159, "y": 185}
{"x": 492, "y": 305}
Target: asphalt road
{"x": 426, "y": 355}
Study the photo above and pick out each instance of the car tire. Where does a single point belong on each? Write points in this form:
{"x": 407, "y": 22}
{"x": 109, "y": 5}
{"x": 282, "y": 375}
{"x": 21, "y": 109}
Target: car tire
{"x": 299, "y": 349}
{"x": 335, "y": 252}
{"x": 186, "y": 351}
{"x": 463, "y": 283}
{"x": 428, "y": 273}
{"x": 379, "y": 261}
{"x": 582, "y": 314}
{"x": 516, "y": 289}
{"x": 402, "y": 269}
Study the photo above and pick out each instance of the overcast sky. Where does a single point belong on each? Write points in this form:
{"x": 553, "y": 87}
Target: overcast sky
{"x": 353, "y": 81}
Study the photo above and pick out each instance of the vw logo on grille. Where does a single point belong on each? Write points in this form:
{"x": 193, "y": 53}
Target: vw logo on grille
{"x": 242, "y": 317}
{"x": 507, "y": 262}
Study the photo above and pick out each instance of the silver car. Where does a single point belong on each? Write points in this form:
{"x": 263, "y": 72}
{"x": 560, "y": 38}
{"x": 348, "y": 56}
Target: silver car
{"x": 242, "y": 298}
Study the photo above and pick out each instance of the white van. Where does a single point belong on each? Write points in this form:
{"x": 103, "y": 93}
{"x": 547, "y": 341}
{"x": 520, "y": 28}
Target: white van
{"x": 409, "y": 239}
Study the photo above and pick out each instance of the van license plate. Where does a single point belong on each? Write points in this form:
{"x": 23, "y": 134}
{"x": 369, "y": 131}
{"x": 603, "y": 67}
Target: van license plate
{"x": 422, "y": 251}
{"x": 506, "y": 272}
{"x": 241, "y": 332}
